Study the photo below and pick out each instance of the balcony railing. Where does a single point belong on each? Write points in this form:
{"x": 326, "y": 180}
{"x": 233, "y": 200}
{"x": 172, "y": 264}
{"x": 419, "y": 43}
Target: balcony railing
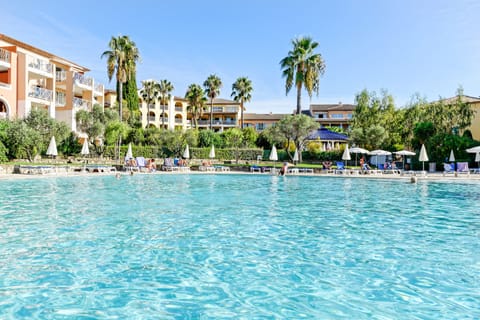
{"x": 99, "y": 87}
{"x": 40, "y": 93}
{"x": 178, "y": 120}
{"x": 60, "y": 99}
{"x": 225, "y": 109}
{"x": 218, "y": 122}
{"x": 61, "y": 75}
{"x": 83, "y": 80}
{"x": 161, "y": 118}
{"x": 40, "y": 65}
{"x": 81, "y": 104}
{"x": 151, "y": 106}
{"x": 151, "y": 118}
{"x": 4, "y": 55}
{"x": 166, "y": 108}
{"x": 179, "y": 109}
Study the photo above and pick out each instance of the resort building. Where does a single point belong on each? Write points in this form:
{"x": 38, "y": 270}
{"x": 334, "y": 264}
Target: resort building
{"x": 261, "y": 121}
{"x": 332, "y": 115}
{"x": 175, "y": 115}
{"x": 474, "y": 103}
{"x": 31, "y": 78}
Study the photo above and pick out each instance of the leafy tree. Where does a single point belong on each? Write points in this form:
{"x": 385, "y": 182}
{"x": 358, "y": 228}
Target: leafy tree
{"x": 24, "y": 142}
{"x": 196, "y": 101}
{"x": 302, "y": 68}
{"x": 206, "y": 138}
{"x": 45, "y": 126}
{"x": 212, "y": 89}
{"x": 242, "y": 92}
{"x": 121, "y": 61}
{"x": 131, "y": 98}
{"x": 249, "y": 137}
{"x": 150, "y": 92}
{"x": 423, "y": 131}
{"x": 296, "y": 129}
{"x": 165, "y": 92}
{"x": 233, "y": 138}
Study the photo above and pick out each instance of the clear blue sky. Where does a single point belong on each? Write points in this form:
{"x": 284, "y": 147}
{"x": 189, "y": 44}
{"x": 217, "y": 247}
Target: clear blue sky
{"x": 429, "y": 47}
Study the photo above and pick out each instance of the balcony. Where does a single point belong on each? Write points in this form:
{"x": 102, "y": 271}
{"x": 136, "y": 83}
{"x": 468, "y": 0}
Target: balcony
{"x": 81, "y": 104}
{"x": 178, "y": 120}
{"x": 98, "y": 88}
{"x": 179, "y": 109}
{"x": 151, "y": 118}
{"x": 60, "y": 99}
{"x": 82, "y": 80}
{"x": 225, "y": 109}
{"x": 61, "y": 76}
{"x": 4, "y": 59}
{"x": 40, "y": 93}
{"x": 40, "y": 66}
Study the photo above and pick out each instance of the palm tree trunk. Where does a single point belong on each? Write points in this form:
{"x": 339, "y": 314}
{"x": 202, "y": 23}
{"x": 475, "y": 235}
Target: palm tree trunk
{"x": 299, "y": 99}
{"x": 241, "y": 121}
{"x": 120, "y": 99}
{"x": 211, "y": 114}
{"x": 163, "y": 115}
{"x": 148, "y": 113}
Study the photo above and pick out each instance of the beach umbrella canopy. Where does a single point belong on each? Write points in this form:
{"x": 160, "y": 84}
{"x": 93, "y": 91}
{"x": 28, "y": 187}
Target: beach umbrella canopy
{"x": 358, "y": 150}
{"x": 477, "y": 157}
{"x": 379, "y": 153}
{"x": 85, "y": 151}
{"x": 295, "y": 155}
{"x": 474, "y": 150}
{"x": 273, "y": 154}
{"x": 423, "y": 156}
{"x": 129, "y": 154}
{"x": 186, "y": 153}
{"x": 52, "y": 148}
{"x": 452, "y": 156}
{"x": 405, "y": 153}
{"x": 212, "y": 152}
{"x": 346, "y": 154}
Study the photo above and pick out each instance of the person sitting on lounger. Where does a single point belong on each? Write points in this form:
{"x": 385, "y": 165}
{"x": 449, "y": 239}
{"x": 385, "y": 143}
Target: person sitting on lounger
{"x": 151, "y": 165}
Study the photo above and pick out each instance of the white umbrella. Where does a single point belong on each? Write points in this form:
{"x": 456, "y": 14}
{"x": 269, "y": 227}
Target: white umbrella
{"x": 346, "y": 155}
{"x": 452, "y": 156}
{"x": 295, "y": 155}
{"x": 129, "y": 154}
{"x": 477, "y": 158}
{"x": 85, "y": 151}
{"x": 273, "y": 154}
{"x": 357, "y": 150}
{"x": 423, "y": 156}
{"x": 379, "y": 153}
{"x": 52, "y": 148}
{"x": 186, "y": 153}
{"x": 404, "y": 153}
{"x": 211, "y": 155}
{"x": 474, "y": 150}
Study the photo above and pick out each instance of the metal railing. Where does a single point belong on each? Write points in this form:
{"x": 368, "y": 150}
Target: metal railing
{"x": 179, "y": 109}
{"x": 40, "y": 65}
{"x": 81, "y": 104}
{"x": 61, "y": 75}
{"x": 60, "y": 98}
{"x": 4, "y": 55}
{"x": 225, "y": 109}
{"x": 81, "y": 79}
{"x": 40, "y": 93}
{"x": 178, "y": 120}
{"x": 98, "y": 87}
{"x": 151, "y": 118}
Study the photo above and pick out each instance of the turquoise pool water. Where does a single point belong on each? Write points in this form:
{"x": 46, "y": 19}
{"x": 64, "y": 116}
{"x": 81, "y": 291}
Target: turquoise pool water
{"x": 238, "y": 247}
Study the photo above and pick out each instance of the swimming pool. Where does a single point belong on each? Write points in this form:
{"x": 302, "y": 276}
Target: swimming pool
{"x": 238, "y": 246}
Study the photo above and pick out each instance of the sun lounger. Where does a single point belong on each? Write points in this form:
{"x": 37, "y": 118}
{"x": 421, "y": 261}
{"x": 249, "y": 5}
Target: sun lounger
{"x": 100, "y": 168}
{"x": 448, "y": 168}
{"x": 462, "y": 168}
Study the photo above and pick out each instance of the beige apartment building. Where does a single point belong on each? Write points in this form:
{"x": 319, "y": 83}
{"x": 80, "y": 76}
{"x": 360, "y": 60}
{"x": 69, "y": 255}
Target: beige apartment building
{"x": 175, "y": 115}
{"x": 31, "y": 78}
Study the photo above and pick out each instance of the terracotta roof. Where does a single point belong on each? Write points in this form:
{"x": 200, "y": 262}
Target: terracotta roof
{"x": 41, "y": 52}
{"x": 332, "y": 107}
{"x": 468, "y": 99}
{"x": 264, "y": 116}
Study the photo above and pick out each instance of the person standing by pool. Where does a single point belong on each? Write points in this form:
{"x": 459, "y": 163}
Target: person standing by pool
{"x": 284, "y": 169}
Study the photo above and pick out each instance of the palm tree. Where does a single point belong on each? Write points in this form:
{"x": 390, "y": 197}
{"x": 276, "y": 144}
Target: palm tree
{"x": 303, "y": 68}
{"x": 242, "y": 92}
{"x": 150, "y": 93}
{"x": 196, "y": 101}
{"x": 166, "y": 88}
{"x": 121, "y": 61}
{"x": 212, "y": 89}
